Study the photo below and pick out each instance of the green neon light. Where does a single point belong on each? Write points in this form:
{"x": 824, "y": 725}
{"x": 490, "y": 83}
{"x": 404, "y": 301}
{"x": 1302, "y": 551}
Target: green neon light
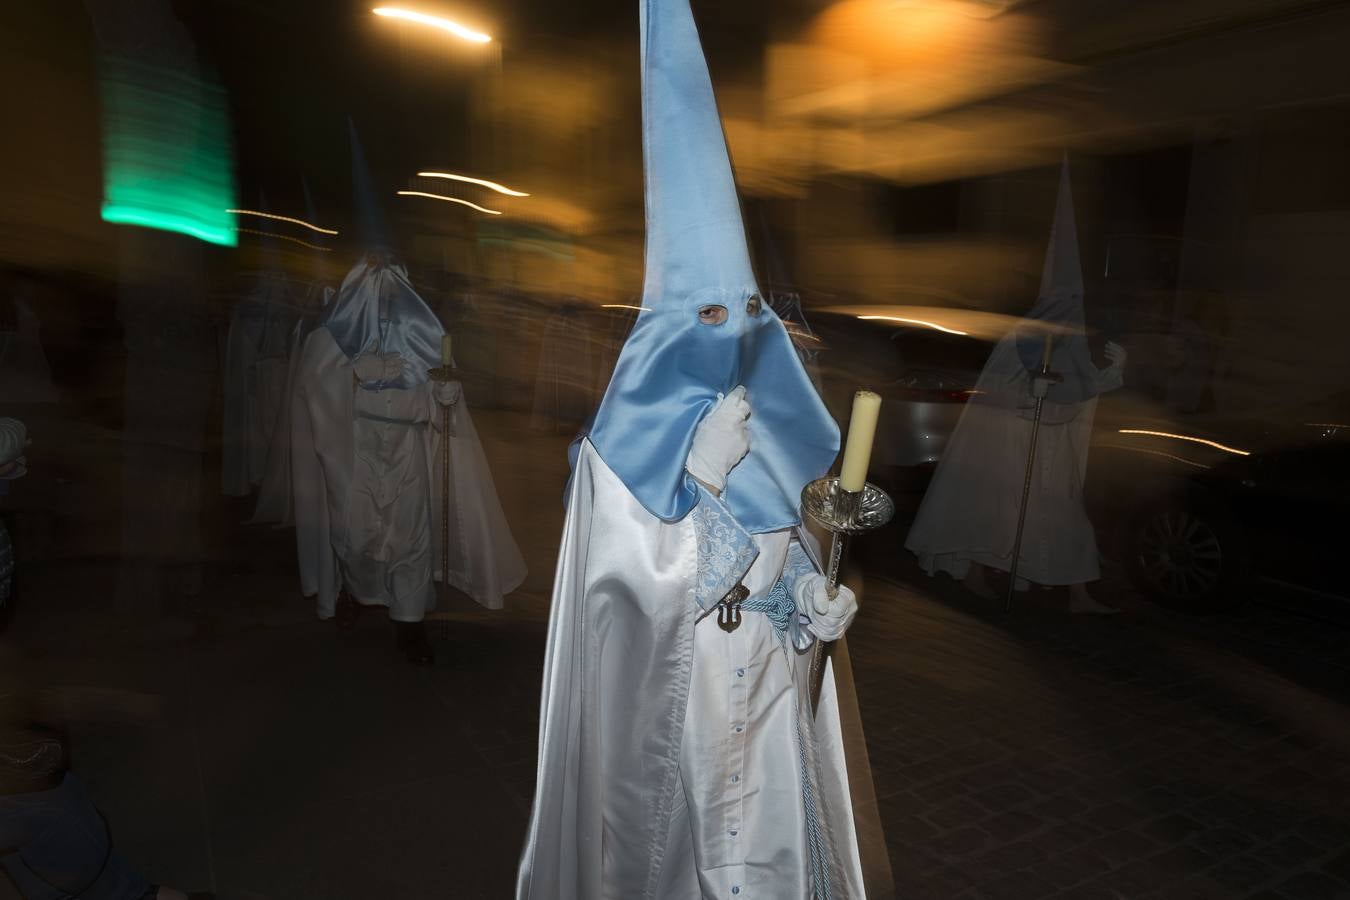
{"x": 167, "y": 155}
{"x": 167, "y": 221}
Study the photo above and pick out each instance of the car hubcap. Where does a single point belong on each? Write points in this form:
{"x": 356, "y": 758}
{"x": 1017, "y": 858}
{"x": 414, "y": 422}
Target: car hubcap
{"x": 1180, "y": 555}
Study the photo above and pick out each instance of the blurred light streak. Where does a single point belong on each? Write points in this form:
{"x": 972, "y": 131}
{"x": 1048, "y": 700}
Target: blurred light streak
{"x": 491, "y": 212}
{"x": 458, "y": 30}
{"x": 932, "y": 325}
{"x": 798, "y": 332}
{"x": 624, "y": 306}
{"x": 1180, "y": 459}
{"x": 1186, "y": 437}
{"x": 491, "y": 185}
{"x": 282, "y": 237}
{"x": 254, "y": 212}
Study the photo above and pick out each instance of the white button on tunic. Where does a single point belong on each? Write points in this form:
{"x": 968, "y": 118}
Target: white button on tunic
{"x": 740, "y": 828}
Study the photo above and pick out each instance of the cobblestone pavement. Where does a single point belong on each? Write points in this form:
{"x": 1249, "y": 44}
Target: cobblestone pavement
{"x": 1143, "y": 755}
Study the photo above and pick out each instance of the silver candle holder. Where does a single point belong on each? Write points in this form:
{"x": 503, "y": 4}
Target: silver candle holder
{"x": 844, "y": 514}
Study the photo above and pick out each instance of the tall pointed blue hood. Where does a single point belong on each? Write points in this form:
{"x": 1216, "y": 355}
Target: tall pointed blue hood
{"x": 269, "y": 249}
{"x": 673, "y": 367}
{"x": 1059, "y": 303}
{"x": 317, "y": 264}
{"x": 372, "y": 227}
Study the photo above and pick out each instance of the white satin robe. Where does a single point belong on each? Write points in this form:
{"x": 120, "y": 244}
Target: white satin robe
{"x": 668, "y": 761}
{"x": 366, "y": 472}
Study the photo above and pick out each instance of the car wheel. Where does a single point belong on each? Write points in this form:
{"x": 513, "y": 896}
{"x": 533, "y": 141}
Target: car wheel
{"x": 1186, "y": 559}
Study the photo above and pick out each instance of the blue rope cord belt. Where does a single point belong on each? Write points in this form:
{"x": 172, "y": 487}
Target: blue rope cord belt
{"x": 777, "y": 605}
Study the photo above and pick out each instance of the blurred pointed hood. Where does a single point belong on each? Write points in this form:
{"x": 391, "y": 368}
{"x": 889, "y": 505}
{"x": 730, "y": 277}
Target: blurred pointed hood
{"x": 318, "y": 269}
{"x": 377, "y": 310}
{"x": 264, "y": 273}
{"x": 673, "y": 367}
{"x": 269, "y": 248}
{"x": 372, "y": 228}
{"x": 1060, "y": 303}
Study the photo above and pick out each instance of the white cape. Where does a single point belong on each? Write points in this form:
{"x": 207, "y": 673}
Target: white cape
{"x": 276, "y": 500}
{"x": 257, "y": 360}
{"x": 617, "y": 678}
{"x": 969, "y": 513}
{"x": 484, "y": 562}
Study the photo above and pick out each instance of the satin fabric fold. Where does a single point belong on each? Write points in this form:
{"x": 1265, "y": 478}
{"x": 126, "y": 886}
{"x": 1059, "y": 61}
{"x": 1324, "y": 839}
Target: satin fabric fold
{"x": 377, "y": 310}
{"x": 616, "y": 681}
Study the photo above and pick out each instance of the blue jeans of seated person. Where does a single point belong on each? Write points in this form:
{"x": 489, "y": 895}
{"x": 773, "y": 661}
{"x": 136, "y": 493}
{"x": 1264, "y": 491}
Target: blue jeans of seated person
{"x": 56, "y": 846}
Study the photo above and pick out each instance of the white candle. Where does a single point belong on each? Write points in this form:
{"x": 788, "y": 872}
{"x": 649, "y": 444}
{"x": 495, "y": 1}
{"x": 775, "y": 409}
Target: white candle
{"x": 862, "y": 427}
{"x": 445, "y": 349}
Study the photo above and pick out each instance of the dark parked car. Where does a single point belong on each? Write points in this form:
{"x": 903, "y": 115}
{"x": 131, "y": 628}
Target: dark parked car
{"x": 1200, "y": 517}
{"x": 924, "y": 376}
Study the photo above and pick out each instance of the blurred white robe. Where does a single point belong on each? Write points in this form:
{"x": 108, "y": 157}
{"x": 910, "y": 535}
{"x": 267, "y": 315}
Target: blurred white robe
{"x": 366, "y": 473}
{"x": 669, "y": 765}
{"x": 969, "y": 514}
{"x": 276, "y": 500}
{"x": 257, "y": 363}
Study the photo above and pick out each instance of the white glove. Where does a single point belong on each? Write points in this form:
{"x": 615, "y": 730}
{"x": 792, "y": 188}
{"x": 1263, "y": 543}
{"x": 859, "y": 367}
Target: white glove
{"x": 829, "y": 618}
{"x": 378, "y": 367}
{"x": 1116, "y": 354}
{"x": 720, "y": 440}
{"x": 447, "y": 393}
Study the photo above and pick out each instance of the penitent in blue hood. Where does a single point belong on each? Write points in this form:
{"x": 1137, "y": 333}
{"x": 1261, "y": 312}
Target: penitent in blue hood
{"x": 677, "y": 361}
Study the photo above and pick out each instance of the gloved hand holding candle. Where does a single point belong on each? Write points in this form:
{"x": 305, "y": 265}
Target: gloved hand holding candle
{"x": 845, "y": 506}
